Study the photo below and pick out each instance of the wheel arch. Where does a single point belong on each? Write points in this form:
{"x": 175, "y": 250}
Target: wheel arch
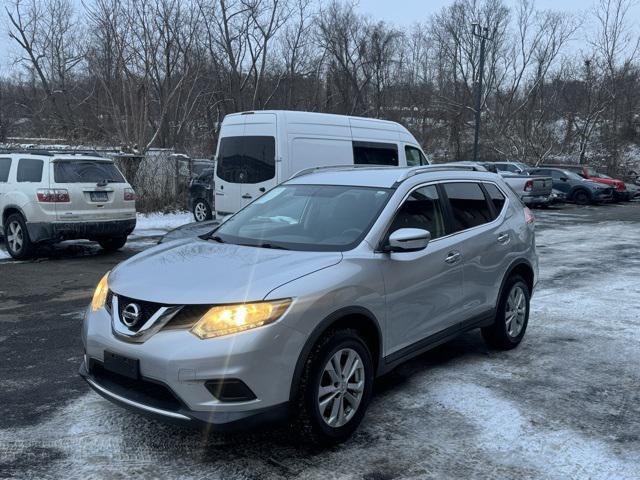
{"x": 10, "y": 210}
{"x": 357, "y": 318}
{"x": 520, "y": 267}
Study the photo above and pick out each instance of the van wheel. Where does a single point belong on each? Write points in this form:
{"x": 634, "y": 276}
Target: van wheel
{"x": 512, "y": 316}
{"x": 113, "y": 243}
{"x": 201, "y": 211}
{"x": 16, "y": 238}
{"x": 335, "y": 388}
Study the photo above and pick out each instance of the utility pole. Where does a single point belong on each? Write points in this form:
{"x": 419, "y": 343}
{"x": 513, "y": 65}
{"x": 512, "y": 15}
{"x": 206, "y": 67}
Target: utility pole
{"x": 483, "y": 34}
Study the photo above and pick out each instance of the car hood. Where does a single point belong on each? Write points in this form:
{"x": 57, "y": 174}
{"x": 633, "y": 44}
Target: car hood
{"x": 196, "y": 271}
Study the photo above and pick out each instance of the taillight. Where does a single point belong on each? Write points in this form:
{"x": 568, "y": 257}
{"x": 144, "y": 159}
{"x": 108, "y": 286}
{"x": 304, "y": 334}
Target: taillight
{"x": 528, "y": 215}
{"x": 129, "y": 195}
{"x": 50, "y": 195}
{"x": 528, "y": 186}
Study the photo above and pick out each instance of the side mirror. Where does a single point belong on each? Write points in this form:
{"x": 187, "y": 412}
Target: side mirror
{"x": 408, "y": 240}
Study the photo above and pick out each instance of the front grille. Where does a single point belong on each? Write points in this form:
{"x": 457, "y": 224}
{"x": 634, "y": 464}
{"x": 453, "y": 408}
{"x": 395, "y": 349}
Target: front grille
{"x": 147, "y": 310}
{"x": 141, "y": 390}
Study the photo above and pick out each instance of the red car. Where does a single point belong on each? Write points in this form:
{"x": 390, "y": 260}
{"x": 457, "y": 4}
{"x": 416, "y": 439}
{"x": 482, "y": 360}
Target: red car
{"x": 620, "y": 191}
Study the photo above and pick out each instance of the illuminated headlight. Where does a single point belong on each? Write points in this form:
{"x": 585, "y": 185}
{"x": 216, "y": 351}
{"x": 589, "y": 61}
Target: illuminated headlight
{"x": 100, "y": 295}
{"x": 228, "y": 319}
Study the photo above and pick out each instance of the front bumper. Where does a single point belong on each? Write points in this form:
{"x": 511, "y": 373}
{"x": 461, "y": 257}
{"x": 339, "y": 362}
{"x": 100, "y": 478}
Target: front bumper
{"x": 178, "y": 413}
{"x": 263, "y": 359}
{"x": 58, "y": 231}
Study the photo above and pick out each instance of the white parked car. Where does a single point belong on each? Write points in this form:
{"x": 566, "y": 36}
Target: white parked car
{"x": 47, "y": 197}
{"x": 258, "y": 150}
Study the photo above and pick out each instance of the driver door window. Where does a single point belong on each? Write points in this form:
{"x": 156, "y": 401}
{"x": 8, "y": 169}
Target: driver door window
{"x": 414, "y": 156}
{"x": 422, "y": 209}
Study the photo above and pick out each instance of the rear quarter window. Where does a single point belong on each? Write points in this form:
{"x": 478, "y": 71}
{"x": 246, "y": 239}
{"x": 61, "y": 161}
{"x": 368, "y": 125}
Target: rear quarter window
{"x": 496, "y": 196}
{"x": 5, "y": 166}
{"x": 30, "y": 170}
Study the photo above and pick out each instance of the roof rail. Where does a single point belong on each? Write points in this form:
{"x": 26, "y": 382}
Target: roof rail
{"x": 307, "y": 171}
{"x": 51, "y": 152}
{"x": 435, "y": 168}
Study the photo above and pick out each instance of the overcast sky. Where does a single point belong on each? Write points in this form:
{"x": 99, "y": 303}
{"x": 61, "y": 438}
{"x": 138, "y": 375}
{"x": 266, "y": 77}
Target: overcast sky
{"x": 398, "y": 12}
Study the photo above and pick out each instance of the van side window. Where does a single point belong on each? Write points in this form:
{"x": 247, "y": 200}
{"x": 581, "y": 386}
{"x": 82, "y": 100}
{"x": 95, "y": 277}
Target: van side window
{"x": 247, "y": 159}
{"x": 5, "y": 166}
{"x": 373, "y": 153}
{"x": 468, "y": 205}
{"x": 414, "y": 156}
{"x": 30, "y": 170}
{"x": 422, "y": 209}
{"x": 496, "y": 196}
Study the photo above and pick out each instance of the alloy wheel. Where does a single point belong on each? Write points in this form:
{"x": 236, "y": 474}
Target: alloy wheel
{"x": 200, "y": 211}
{"x": 341, "y": 387}
{"x": 516, "y": 311}
{"x": 15, "y": 237}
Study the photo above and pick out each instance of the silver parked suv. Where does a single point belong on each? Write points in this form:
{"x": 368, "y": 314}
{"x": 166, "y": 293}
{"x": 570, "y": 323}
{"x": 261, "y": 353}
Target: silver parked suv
{"x": 292, "y": 306}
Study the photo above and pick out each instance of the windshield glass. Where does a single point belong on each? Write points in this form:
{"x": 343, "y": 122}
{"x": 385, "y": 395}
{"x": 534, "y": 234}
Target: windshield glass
{"x": 572, "y": 175}
{"x": 86, "y": 171}
{"x": 306, "y": 217}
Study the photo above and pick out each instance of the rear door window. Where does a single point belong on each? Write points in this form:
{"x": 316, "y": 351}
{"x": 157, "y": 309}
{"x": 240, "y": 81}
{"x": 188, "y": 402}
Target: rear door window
{"x": 85, "y": 171}
{"x": 5, "y": 166}
{"x": 30, "y": 170}
{"x": 469, "y": 206}
{"x": 414, "y": 156}
{"x": 247, "y": 159}
{"x": 374, "y": 153}
{"x": 496, "y": 196}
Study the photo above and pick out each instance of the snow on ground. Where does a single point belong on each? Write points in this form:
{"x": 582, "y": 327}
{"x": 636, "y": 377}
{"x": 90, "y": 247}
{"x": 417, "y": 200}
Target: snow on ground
{"x": 565, "y": 404}
{"x": 154, "y": 224}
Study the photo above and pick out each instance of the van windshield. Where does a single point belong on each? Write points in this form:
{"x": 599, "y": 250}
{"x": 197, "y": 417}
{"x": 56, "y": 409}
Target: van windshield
{"x": 247, "y": 159}
{"x": 86, "y": 171}
{"x": 306, "y": 217}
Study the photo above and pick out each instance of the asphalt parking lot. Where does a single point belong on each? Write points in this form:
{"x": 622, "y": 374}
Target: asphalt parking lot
{"x": 565, "y": 404}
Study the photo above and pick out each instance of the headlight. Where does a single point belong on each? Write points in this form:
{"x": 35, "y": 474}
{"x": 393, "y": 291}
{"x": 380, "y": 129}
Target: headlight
{"x": 100, "y": 295}
{"x": 228, "y": 319}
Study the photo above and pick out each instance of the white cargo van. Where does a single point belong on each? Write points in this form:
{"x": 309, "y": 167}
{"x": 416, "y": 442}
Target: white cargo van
{"x": 258, "y": 150}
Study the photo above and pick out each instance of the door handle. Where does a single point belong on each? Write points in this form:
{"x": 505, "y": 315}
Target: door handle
{"x": 503, "y": 237}
{"x": 246, "y": 196}
{"x": 452, "y": 257}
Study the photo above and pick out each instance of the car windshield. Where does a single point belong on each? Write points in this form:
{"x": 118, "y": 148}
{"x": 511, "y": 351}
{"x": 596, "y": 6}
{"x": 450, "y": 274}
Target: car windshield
{"x": 306, "y": 217}
{"x": 572, "y": 175}
{"x": 86, "y": 171}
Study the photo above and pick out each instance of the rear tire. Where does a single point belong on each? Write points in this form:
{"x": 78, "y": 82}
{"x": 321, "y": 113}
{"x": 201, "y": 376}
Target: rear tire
{"x": 512, "y": 316}
{"x": 581, "y": 197}
{"x": 325, "y": 412}
{"x": 201, "y": 211}
{"x": 16, "y": 238}
{"x": 113, "y": 243}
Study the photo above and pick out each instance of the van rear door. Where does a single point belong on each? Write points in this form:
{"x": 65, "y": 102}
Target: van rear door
{"x": 246, "y": 160}
{"x": 96, "y": 190}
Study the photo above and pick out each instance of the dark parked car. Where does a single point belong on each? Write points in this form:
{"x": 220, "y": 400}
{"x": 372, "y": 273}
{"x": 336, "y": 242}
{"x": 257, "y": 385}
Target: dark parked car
{"x": 201, "y": 196}
{"x": 620, "y": 192}
{"x": 576, "y": 188}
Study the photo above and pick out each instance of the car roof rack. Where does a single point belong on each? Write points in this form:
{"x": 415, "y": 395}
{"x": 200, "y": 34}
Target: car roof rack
{"x": 443, "y": 167}
{"x": 307, "y": 171}
{"x": 52, "y": 151}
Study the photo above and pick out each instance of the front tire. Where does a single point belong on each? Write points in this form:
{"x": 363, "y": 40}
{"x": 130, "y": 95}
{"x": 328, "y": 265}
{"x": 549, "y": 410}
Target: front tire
{"x": 113, "y": 243}
{"x": 201, "y": 211}
{"x": 335, "y": 388}
{"x": 512, "y": 316}
{"x": 16, "y": 238}
{"x": 581, "y": 197}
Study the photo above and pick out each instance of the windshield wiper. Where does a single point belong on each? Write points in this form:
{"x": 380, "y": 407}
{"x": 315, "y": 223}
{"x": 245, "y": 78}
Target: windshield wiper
{"x": 217, "y": 239}
{"x": 264, "y": 245}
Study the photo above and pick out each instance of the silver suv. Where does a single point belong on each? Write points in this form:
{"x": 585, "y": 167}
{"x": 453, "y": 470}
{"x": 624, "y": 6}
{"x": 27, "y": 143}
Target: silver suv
{"x": 296, "y": 303}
